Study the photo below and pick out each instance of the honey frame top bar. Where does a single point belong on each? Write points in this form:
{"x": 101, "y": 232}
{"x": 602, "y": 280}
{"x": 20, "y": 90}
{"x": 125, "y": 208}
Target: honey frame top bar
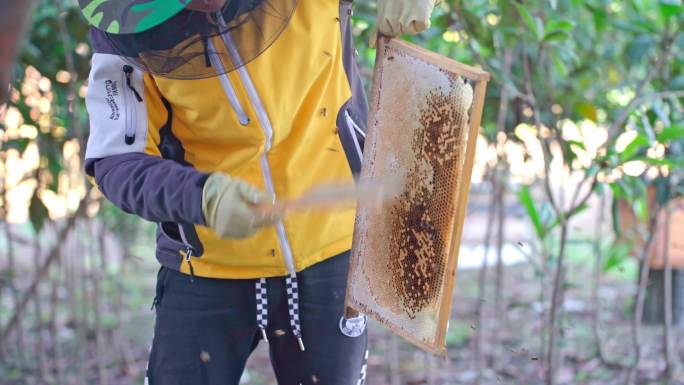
{"x": 470, "y": 72}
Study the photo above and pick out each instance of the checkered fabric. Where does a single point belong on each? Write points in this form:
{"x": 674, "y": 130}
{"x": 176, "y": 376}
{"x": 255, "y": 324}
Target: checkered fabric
{"x": 362, "y": 377}
{"x": 262, "y": 306}
{"x": 293, "y": 307}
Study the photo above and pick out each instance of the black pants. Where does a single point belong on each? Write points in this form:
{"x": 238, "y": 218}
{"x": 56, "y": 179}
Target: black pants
{"x": 205, "y": 330}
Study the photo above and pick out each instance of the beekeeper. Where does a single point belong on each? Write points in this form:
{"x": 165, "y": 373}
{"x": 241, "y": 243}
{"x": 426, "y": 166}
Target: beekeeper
{"x": 201, "y": 112}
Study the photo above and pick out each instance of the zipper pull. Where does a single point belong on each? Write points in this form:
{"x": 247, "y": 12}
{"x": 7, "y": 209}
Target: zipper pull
{"x": 188, "y": 255}
{"x": 128, "y": 70}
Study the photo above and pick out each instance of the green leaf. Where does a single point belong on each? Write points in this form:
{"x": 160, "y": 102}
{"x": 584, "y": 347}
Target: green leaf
{"x": 556, "y": 35}
{"x": 669, "y": 8}
{"x": 670, "y": 133}
{"x": 37, "y": 212}
{"x": 587, "y": 110}
{"x": 562, "y": 25}
{"x": 638, "y": 143}
{"x": 640, "y": 207}
{"x": 525, "y": 198}
{"x": 617, "y": 190}
{"x": 441, "y": 22}
{"x": 557, "y": 30}
{"x": 638, "y": 48}
{"x": 569, "y": 154}
{"x": 19, "y": 144}
{"x": 576, "y": 143}
{"x": 612, "y": 262}
{"x": 559, "y": 64}
{"x": 618, "y": 253}
{"x": 615, "y": 209}
{"x": 530, "y": 21}
{"x": 600, "y": 16}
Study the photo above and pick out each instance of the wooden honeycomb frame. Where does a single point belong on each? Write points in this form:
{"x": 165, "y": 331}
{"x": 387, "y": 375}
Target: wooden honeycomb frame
{"x": 405, "y": 250}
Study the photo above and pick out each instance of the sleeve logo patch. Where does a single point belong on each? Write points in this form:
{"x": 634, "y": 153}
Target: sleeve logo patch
{"x": 111, "y": 93}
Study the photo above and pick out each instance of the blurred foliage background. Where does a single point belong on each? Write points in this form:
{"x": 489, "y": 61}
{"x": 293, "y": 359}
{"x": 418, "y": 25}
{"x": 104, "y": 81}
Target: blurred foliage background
{"x": 570, "y": 264}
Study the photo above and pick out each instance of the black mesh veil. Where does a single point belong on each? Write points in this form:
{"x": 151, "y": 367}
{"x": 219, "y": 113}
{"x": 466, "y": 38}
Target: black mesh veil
{"x": 195, "y": 45}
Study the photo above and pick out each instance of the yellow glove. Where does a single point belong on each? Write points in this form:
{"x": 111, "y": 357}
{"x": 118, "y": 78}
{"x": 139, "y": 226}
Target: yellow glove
{"x": 402, "y": 17}
{"x": 229, "y": 207}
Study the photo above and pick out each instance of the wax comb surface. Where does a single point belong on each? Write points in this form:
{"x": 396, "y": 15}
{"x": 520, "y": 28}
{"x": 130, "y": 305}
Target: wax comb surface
{"x": 424, "y": 118}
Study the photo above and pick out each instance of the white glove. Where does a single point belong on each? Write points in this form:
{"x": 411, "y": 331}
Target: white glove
{"x": 402, "y": 17}
{"x": 230, "y": 207}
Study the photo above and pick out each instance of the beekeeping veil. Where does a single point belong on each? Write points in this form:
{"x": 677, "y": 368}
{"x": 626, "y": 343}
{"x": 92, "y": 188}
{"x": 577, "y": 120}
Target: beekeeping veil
{"x": 166, "y": 39}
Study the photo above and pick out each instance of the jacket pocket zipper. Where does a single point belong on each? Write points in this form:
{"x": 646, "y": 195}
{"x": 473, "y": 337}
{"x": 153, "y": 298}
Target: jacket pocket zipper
{"x": 185, "y": 247}
{"x": 188, "y": 251}
{"x": 131, "y": 108}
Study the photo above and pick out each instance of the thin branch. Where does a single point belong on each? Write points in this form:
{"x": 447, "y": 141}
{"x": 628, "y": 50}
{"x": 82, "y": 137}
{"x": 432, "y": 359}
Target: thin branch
{"x": 556, "y": 296}
{"x": 481, "y": 282}
{"x": 499, "y": 301}
{"x": 100, "y": 274}
{"x": 577, "y": 206}
{"x": 596, "y": 284}
{"x": 578, "y": 189}
{"x": 556, "y": 307}
{"x": 671, "y": 359}
{"x": 544, "y": 143}
{"x": 500, "y": 177}
{"x": 645, "y": 260}
{"x": 54, "y": 255}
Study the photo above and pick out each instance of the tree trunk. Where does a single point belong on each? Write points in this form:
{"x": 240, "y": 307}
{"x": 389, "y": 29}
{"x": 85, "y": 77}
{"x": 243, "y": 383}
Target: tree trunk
{"x": 671, "y": 359}
{"x": 645, "y": 262}
{"x": 17, "y": 318}
{"x": 85, "y": 267}
{"x": 98, "y": 277}
{"x": 43, "y": 372}
{"x": 58, "y": 370}
{"x": 499, "y": 300}
{"x": 481, "y": 283}
{"x": 595, "y": 286}
{"x": 552, "y": 354}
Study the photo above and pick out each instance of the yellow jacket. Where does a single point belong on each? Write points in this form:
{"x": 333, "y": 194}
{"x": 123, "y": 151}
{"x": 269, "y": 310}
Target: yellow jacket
{"x": 287, "y": 121}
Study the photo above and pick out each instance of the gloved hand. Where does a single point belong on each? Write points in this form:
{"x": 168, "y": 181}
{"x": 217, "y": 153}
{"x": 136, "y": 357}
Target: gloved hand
{"x": 402, "y": 17}
{"x": 229, "y": 207}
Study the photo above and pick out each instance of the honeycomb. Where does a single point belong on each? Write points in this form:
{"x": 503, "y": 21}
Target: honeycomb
{"x": 418, "y": 131}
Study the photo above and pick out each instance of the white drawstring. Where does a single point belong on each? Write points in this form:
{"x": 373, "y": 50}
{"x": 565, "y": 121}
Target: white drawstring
{"x": 292, "y": 289}
{"x": 262, "y": 306}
